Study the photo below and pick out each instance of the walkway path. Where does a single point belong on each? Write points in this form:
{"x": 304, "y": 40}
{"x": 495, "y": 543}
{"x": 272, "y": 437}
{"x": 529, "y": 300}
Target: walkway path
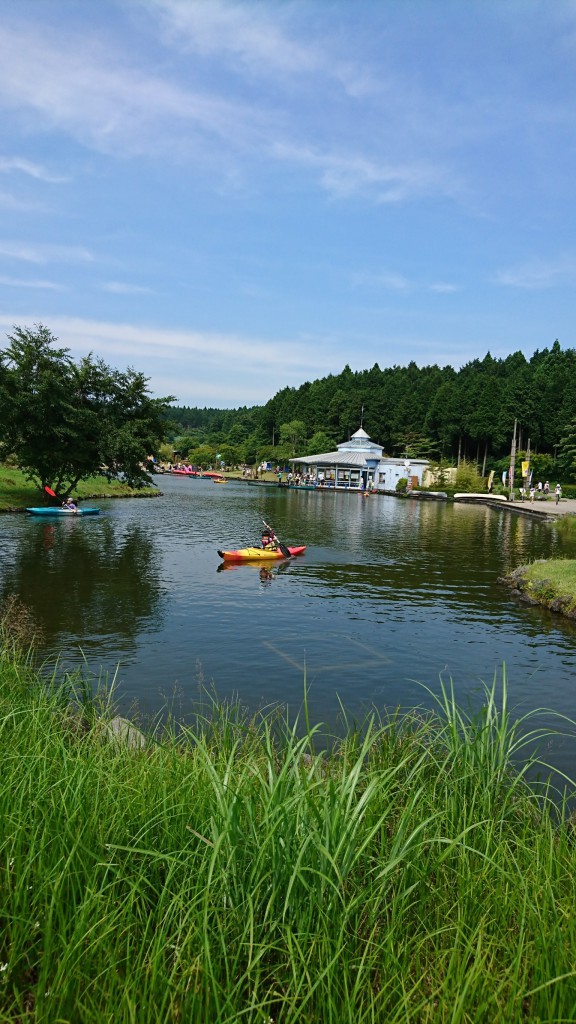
{"x": 566, "y": 506}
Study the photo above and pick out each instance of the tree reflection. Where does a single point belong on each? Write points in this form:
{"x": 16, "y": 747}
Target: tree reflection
{"x": 85, "y": 582}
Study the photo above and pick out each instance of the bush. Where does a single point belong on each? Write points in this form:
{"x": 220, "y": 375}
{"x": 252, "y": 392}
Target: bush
{"x": 468, "y": 478}
{"x": 402, "y": 484}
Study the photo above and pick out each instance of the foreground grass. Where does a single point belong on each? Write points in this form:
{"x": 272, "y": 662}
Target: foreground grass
{"x": 228, "y": 873}
{"x": 17, "y": 492}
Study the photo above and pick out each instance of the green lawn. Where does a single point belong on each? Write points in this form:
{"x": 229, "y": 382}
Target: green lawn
{"x": 552, "y": 583}
{"x": 17, "y": 492}
{"x": 561, "y": 572}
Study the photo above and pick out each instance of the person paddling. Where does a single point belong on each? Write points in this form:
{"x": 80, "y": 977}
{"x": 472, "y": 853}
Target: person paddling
{"x": 269, "y": 540}
{"x": 70, "y": 504}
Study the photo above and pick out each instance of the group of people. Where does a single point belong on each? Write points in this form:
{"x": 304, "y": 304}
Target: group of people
{"x": 542, "y": 490}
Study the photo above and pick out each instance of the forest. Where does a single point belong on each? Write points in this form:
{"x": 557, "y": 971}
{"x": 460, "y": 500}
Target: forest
{"x": 440, "y": 413}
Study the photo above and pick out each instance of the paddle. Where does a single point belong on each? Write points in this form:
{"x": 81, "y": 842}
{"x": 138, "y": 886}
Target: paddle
{"x": 282, "y": 547}
{"x": 54, "y": 495}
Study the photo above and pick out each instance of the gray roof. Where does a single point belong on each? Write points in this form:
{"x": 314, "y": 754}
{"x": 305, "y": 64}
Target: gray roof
{"x": 357, "y": 458}
{"x": 334, "y": 459}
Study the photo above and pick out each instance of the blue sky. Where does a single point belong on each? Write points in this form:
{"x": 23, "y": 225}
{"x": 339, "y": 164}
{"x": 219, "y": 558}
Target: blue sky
{"x": 238, "y": 196}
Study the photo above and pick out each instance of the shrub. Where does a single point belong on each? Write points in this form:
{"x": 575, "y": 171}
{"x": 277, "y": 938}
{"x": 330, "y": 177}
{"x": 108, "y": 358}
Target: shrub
{"x": 468, "y": 478}
{"x": 18, "y": 627}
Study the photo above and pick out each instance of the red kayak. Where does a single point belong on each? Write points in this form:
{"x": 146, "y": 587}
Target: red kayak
{"x": 260, "y": 554}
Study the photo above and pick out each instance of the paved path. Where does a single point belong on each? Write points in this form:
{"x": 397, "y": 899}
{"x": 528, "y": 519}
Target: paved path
{"x": 566, "y": 506}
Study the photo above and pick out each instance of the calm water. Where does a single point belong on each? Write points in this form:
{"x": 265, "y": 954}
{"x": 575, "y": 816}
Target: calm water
{"x": 389, "y": 595}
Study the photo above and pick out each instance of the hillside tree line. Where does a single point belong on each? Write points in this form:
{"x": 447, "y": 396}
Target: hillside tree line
{"x": 435, "y": 412}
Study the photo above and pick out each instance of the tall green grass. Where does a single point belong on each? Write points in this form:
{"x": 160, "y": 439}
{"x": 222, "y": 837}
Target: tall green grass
{"x": 228, "y": 873}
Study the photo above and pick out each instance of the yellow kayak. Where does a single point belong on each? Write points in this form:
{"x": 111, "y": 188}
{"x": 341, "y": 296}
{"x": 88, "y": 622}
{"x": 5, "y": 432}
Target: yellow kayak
{"x": 260, "y": 554}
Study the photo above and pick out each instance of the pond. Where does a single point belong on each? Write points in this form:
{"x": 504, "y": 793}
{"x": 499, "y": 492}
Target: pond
{"x": 390, "y": 597}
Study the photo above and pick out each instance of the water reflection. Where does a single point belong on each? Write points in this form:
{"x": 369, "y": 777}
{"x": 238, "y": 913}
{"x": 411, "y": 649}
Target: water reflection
{"x": 85, "y": 583}
{"x": 390, "y": 594}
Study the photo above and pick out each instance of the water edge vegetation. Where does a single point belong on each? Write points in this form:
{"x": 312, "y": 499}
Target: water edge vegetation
{"x": 242, "y": 869}
{"x": 16, "y": 492}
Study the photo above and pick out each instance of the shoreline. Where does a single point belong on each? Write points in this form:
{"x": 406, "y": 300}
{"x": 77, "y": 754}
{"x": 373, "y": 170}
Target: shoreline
{"x": 548, "y": 583}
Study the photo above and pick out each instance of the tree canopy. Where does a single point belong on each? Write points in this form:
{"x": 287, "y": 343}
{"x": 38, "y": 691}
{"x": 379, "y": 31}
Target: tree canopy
{"x": 429, "y": 411}
{"x": 65, "y": 421}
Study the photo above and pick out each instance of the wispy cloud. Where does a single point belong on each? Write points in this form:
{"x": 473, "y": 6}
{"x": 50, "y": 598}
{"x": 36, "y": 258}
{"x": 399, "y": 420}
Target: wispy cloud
{"x": 538, "y": 274}
{"x": 205, "y": 347}
{"x": 22, "y": 166}
{"x": 443, "y": 288}
{"x": 16, "y": 282}
{"x": 390, "y": 280}
{"x": 117, "y": 107}
{"x": 121, "y": 288}
{"x": 345, "y": 175}
{"x": 42, "y": 252}
{"x": 258, "y": 37}
{"x": 93, "y": 95}
{"x": 12, "y": 202}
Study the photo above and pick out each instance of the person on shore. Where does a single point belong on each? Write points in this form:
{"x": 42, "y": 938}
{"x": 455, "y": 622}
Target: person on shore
{"x": 539, "y": 485}
{"x": 522, "y": 494}
{"x": 546, "y": 489}
{"x": 532, "y": 493}
{"x": 558, "y": 492}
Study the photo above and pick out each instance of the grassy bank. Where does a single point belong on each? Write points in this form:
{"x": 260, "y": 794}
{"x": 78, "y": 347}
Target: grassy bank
{"x": 17, "y": 492}
{"x": 550, "y": 583}
{"x": 231, "y": 874}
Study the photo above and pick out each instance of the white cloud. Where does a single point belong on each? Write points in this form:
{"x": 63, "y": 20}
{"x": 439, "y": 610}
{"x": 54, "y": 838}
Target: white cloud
{"x": 96, "y": 98}
{"x": 444, "y": 288}
{"x": 9, "y": 164}
{"x": 235, "y": 350}
{"x": 538, "y": 274}
{"x": 256, "y": 35}
{"x": 389, "y": 280}
{"x": 121, "y": 288}
{"x": 42, "y": 252}
{"x": 16, "y": 282}
{"x": 10, "y": 202}
{"x": 344, "y": 175}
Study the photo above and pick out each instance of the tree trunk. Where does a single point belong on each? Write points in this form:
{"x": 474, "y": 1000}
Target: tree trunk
{"x": 485, "y": 458}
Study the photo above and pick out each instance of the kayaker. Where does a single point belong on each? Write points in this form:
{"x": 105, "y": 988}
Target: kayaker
{"x": 269, "y": 540}
{"x": 70, "y": 504}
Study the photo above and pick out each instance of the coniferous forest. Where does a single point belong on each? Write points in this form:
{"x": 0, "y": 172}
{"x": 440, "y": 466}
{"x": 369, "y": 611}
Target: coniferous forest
{"x": 435, "y": 412}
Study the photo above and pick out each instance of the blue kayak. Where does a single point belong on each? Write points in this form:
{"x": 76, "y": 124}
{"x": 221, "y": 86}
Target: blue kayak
{"x": 62, "y": 511}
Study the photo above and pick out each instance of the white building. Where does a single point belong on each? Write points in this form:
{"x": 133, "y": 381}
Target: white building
{"x": 360, "y": 463}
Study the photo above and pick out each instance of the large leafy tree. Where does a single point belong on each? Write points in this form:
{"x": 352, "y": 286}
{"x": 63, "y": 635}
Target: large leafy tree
{"x": 293, "y": 434}
{"x": 65, "y": 421}
{"x": 567, "y": 453}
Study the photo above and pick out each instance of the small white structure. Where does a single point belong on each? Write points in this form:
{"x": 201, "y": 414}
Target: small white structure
{"x": 361, "y": 464}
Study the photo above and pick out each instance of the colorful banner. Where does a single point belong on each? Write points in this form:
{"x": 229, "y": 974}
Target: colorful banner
{"x": 525, "y": 468}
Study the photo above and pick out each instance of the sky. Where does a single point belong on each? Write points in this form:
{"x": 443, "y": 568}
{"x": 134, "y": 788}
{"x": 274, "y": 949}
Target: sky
{"x": 234, "y": 197}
